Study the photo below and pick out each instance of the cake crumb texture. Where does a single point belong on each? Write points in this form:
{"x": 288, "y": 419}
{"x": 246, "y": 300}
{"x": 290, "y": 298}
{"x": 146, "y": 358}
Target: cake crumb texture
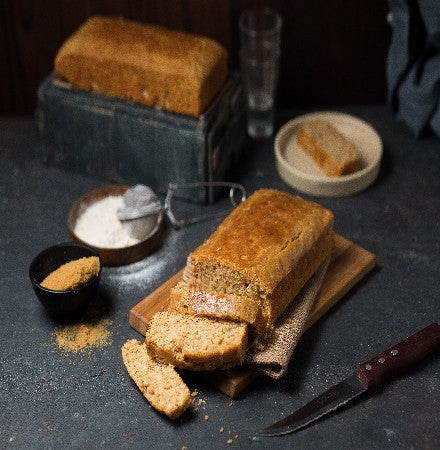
{"x": 160, "y": 384}
{"x": 214, "y": 304}
{"x": 196, "y": 343}
{"x": 331, "y": 150}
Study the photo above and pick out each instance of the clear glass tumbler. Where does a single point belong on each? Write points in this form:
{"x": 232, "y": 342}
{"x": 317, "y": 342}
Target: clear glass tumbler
{"x": 260, "y": 36}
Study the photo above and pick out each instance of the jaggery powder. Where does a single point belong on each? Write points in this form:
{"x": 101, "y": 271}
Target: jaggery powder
{"x": 85, "y": 335}
{"x": 72, "y": 274}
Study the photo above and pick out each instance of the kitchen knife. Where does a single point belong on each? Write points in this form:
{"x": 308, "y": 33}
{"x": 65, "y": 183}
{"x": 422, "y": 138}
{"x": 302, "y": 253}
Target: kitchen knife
{"x": 367, "y": 378}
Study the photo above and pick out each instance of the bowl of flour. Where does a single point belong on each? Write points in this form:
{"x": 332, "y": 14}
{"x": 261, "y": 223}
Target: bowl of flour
{"x": 93, "y": 221}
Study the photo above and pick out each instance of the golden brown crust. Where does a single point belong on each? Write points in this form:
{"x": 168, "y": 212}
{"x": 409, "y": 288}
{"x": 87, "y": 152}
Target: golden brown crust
{"x": 293, "y": 282}
{"x": 160, "y": 384}
{"x": 335, "y": 154}
{"x": 152, "y": 65}
{"x": 214, "y": 304}
{"x": 196, "y": 343}
{"x": 269, "y": 246}
{"x": 265, "y": 236}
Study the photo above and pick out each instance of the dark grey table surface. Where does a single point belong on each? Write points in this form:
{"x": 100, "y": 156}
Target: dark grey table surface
{"x": 50, "y": 400}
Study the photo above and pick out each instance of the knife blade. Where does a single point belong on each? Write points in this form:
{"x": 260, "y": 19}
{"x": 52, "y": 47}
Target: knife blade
{"x": 367, "y": 378}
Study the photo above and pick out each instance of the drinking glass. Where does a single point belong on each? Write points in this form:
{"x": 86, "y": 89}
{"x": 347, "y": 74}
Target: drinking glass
{"x": 260, "y": 36}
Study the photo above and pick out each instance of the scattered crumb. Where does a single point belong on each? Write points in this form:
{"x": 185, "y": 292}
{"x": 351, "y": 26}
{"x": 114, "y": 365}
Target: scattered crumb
{"x": 206, "y": 417}
{"x": 229, "y": 431}
{"x": 236, "y": 436}
{"x": 229, "y": 441}
{"x": 201, "y": 402}
{"x": 221, "y": 429}
{"x": 194, "y": 394}
{"x": 230, "y": 403}
{"x": 184, "y": 447}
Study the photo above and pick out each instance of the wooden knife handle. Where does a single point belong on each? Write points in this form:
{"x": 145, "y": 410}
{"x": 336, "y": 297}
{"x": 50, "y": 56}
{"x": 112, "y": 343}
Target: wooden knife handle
{"x": 399, "y": 358}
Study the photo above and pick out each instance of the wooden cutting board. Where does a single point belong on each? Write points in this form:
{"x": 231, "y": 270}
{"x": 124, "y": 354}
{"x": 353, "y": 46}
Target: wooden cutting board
{"x": 349, "y": 264}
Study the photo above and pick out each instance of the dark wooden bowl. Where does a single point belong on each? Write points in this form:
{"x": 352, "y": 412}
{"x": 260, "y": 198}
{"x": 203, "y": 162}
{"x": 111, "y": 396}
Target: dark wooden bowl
{"x": 114, "y": 256}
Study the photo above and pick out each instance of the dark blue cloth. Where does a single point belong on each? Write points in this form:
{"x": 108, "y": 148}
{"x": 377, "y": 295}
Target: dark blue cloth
{"x": 413, "y": 65}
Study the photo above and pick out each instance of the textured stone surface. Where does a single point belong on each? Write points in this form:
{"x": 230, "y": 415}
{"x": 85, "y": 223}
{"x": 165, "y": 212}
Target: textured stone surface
{"x": 50, "y": 400}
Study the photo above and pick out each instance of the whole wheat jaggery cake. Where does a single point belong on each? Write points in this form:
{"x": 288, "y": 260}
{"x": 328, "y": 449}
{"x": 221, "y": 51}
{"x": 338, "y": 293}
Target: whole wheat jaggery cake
{"x": 214, "y": 304}
{"x": 331, "y": 150}
{"x": 196, "y": 343}
{"x": 148, "y": 64}
{"x": 266, "y": 250}
{"x": 160, "y": 384}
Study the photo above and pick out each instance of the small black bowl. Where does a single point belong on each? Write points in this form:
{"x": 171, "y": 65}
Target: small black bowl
{"x": 63, "y": 304}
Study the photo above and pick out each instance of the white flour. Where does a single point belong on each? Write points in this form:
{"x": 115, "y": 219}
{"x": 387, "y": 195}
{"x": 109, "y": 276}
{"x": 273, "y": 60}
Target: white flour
{"x": 99, "y": 225}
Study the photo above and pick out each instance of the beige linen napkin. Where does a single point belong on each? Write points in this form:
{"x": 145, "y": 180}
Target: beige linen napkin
{"x": 274, "y": 358}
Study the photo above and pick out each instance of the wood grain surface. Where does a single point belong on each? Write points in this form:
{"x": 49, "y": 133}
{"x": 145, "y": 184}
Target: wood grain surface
{"x": 349, "y": 264}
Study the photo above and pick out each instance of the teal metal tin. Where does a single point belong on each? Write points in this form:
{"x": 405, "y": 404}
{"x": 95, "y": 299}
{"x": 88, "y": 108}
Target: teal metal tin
{"x": 128, "y": 143}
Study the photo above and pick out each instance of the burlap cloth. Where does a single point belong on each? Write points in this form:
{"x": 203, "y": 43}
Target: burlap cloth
{"x": 274, "y": 358}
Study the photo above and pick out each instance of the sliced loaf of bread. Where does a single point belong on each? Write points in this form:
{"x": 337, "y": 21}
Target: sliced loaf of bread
{"x": 196, "y": 343}
{"x": 160, "y": 384}
{"x": 265, "y": 250}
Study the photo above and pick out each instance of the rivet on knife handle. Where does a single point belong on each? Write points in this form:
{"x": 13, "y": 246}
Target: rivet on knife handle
{"x": 400, "y": 357}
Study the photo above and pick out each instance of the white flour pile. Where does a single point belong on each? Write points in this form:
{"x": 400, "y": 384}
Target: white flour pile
{"x": 99, "y": 225}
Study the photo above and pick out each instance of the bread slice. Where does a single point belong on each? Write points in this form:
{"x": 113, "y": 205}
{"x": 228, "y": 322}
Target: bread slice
{"x": 265, "y": 250}
{"x": 215, "y": 305}
{"x": 160, "y": 384}
{"x": 148, "y": 64}
{"x": 332, "y": 151}
{"x": 196, "y": 343}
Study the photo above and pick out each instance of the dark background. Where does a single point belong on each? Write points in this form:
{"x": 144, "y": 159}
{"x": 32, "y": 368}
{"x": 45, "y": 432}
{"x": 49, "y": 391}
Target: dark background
{"x": 333, "y": 52}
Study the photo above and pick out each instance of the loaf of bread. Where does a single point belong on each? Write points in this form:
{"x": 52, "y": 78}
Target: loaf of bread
{"x": 171, "y": 70}
{"x": 265, "y": 250}
{"x": 331, "y": 150}
{"x": 196, "y": 343}
{"x": 160, "y": 384}
{"x": 214, "y": 304}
